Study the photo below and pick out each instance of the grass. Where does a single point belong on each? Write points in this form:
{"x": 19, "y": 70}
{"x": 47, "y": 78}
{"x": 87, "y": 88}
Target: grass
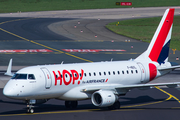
{"x": 7, "y": 6}
{"x": 144, "y": 29}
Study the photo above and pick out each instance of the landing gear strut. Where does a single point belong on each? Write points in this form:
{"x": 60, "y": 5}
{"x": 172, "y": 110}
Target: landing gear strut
{"x": 30, "y": 109}
{"x": 30, "y": 106}
{"x": 71, "y": 104}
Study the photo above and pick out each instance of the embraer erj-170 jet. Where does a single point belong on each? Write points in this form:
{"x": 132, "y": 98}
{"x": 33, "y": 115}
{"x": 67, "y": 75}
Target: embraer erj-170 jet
{"x": 102, "y": 82}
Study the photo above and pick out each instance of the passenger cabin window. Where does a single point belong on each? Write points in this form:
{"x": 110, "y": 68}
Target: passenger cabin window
{"x": 136, "y": 71}
{"x": 113, "y": 72}
{"x": 118, "y": 72}
{"x": 122, "y": 72}
{"x": 20, "y": 76}
{"x": 109, "y": 73}
{"x": 104, "y": 73}
{"x": 94, "y": 74}
{"x": 31, "y": 77}
{"x": 89, "y": 74}
{"x": 85, "y": 74}
{"x": 100, "y": 73}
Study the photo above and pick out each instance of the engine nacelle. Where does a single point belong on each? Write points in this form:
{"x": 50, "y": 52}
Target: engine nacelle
{"x": 103, "y": 98}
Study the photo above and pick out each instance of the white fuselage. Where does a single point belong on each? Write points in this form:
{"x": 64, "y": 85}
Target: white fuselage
{"x": 65, "y": 81}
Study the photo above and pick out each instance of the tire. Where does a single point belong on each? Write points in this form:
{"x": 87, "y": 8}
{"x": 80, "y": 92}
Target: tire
{"x": 116, "y": 105}
{"x": 71, "y": 104}
{"x": 67, "y": 104}
{"x": 74, "y": 104}
{"x": 31, "y": 110}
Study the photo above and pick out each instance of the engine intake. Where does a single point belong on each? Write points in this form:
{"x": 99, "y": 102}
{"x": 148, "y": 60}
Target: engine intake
{"x": 103, "y": 98}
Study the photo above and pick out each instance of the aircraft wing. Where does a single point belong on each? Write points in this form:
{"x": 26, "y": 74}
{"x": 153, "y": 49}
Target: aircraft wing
{"x": 120, "y": 86}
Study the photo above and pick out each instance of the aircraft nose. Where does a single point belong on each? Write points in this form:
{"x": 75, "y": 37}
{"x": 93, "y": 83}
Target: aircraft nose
{"x": 9, "y": 91}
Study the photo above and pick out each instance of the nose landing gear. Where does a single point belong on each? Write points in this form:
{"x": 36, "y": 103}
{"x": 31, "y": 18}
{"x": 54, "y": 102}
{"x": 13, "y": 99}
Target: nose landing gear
{"x": 30, "y": 106}
{"x": 30, "y": 109}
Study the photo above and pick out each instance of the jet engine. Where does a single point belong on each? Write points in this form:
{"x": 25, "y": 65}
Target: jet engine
{"x": 103, "y": 98}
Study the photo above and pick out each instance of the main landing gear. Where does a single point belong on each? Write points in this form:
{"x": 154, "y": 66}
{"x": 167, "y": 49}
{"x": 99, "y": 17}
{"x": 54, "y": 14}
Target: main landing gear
{"x": 71, "y": 104}
{"x": 116, "y": 105}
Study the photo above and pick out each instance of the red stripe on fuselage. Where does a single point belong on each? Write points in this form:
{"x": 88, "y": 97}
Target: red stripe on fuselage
{"x": 161, "y": 38}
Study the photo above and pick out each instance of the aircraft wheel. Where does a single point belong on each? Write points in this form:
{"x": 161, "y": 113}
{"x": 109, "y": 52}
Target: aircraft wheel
{"x": 116, "y": 105}
{"x": 68, "y": 104}
{"x": 71, "y": 104}
{"x": 31, "y": 110}
{"x": 74, "y": 104}
{"x": 28, "y": 110}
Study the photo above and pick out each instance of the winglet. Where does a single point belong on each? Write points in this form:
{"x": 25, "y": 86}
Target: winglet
{"x": 8, "y": 72}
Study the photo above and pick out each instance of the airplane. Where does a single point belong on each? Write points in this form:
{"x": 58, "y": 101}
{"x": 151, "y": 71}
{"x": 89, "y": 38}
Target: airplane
{"x": 102, "y": 82}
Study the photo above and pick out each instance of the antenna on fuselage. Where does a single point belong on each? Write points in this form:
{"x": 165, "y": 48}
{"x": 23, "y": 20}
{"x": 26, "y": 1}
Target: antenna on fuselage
{"x": 62, "y": 62}
{"x": 111, "y": 59}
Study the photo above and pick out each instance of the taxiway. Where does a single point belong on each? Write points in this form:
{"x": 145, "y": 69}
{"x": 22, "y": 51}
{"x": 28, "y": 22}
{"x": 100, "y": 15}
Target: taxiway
{"x": 55, "y": 30}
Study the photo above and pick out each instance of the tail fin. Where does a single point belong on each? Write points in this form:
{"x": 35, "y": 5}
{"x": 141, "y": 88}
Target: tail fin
{"x": 158, "y": 49}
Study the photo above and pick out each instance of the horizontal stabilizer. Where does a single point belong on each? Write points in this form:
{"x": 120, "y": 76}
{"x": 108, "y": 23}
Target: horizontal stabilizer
{"x": 168, "y": 68}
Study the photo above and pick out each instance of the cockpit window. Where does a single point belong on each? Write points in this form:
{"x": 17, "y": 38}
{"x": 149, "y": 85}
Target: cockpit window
{"x": 31, "y": 76}
{"x": 19, "y": 76}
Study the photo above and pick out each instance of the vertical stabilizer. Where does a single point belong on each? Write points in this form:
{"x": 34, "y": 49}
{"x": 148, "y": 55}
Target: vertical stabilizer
{"x": 158, "y": 49}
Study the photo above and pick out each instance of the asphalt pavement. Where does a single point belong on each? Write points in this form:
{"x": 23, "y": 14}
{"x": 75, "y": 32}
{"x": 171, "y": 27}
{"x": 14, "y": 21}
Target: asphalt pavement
{"x": 55, "y": 31}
